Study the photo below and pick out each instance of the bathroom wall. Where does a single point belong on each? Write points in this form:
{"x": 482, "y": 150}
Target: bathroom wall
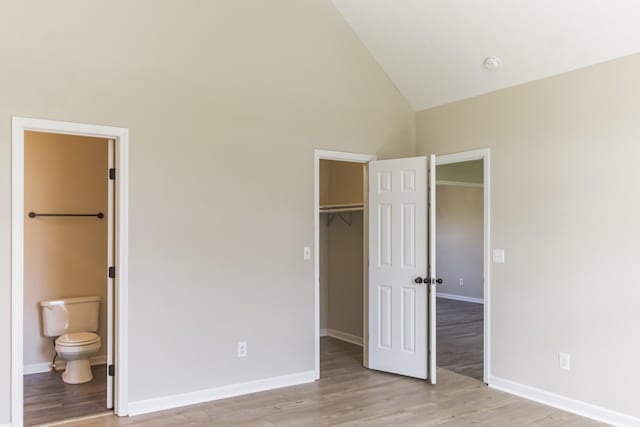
{"x": 64, "y": 257}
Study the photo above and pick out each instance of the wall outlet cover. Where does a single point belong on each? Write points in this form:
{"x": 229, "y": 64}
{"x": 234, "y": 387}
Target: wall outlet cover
{"x": 498, "y": 256}
{"x": 564, "y": 361}
{"x": 242, "y": 349}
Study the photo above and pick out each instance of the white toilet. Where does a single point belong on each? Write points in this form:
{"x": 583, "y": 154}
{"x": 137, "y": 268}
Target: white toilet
{"x": 74, "y": 321}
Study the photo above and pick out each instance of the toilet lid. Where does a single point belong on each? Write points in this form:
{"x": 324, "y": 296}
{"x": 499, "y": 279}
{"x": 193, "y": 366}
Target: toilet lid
{"x": 78, "y": 338}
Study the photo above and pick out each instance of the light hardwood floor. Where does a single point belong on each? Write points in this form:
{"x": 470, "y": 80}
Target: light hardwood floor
{"x": 47, "y": 398}
{"x": 349, "y": 395}
{"x": 460, "y": 337}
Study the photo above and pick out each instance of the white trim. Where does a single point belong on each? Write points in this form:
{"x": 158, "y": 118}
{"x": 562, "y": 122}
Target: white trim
{"x": 317, "y": 156}
{"x": 460, "y": 298}
{"x": 17, "y": 272}
{"x": 5, "y": 425}
{"x": 223, "y": 392}
{"x": 121, "y": 136}
{"x": 485, "y": 155}
{"x": 574, "y": 406}
{"x": 343, "y": 336}
{"x": 38, "y": 368}
{"x": 459, "y": 183}
{"x": 110, "y": 281}
{"x": 324, "y": 332}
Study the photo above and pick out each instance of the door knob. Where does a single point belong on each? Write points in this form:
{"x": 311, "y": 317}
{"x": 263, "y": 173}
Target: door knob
{"x": 439, "y": 281}
{"x": 418, "y": 280}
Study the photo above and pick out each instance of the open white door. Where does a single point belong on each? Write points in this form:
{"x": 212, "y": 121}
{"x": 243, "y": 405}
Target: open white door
{"x": 432, "y": 281}
{"x": 397, "y": 266}
{"x": 110, "y": 281}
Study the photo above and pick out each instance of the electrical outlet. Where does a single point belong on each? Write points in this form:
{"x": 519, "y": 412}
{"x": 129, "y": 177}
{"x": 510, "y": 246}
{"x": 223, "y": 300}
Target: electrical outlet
{"x": 461, "y": 281}
{"x": 564, "y": 361}
{"x": 242, "y": 349}
{"x": 306, "y": 253}
{"x": 498, "y": 256}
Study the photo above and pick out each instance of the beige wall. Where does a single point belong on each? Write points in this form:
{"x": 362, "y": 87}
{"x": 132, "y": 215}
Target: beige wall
{"x": 324, "y": 272}
{"x": 470, "y": 171}
{"x": 460, "y": 240}
{"x": 564, "y": 173}
{"x": 344, "y": 275}
{"x": 225, "y": 101}
{"x": 341, "y": 248}
{"x": 63, "y": 257}
{"x": 341, "y": 183}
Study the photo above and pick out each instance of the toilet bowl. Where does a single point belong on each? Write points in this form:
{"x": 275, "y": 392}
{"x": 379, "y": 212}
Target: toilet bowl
{"x": 76, "y": 349}
{"x": 73, "y": 322}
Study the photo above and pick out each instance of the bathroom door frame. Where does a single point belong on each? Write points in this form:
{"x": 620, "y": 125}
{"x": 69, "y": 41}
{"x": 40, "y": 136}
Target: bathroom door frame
{"x": 121, "y": 197}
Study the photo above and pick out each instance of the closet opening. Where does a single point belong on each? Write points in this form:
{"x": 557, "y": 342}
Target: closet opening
{"x": 340, "y": 261}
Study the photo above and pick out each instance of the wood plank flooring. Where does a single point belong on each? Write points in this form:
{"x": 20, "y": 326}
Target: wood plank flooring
{"x": 48, "y": 399}
{"x": 459, "y": 337}
{"x": 350, "y": 395}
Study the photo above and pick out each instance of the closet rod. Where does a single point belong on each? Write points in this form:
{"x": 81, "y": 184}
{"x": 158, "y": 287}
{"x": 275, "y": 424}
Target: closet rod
{"x": 34, "y": 215}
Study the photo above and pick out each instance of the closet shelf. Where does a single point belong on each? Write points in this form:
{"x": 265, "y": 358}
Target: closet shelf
{"x": 341, "y": 208}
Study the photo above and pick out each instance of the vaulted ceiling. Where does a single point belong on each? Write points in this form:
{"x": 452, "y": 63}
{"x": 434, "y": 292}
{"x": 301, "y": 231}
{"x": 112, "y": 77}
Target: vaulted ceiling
{"x": 434, "y": 50}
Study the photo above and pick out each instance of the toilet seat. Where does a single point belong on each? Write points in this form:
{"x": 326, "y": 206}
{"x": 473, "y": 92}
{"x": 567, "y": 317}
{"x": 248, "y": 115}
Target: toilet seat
{"x": 77, "y": 339}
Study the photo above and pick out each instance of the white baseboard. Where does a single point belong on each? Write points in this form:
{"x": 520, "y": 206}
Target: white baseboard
{"x": 201, "y": 396}
{"x": 460, "y": 298}
{"x": 342, "y": 336}
{"x": 38, "y": 368}
{"x": 5, "y": 425}
{"x": 565, "y": 403}
{"x": 324, "y": 332}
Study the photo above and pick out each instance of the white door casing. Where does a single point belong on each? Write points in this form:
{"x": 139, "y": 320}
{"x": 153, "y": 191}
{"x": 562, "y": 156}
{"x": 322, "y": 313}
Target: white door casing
{"x": 121, "y": 226}
{"x": 432, "y": 269}
{"x": 110, "y": 262}
{"x": 397, "y": 256}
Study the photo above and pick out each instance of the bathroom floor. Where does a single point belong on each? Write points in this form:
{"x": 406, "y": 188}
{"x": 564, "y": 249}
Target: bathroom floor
{"x": 48, "y": 399}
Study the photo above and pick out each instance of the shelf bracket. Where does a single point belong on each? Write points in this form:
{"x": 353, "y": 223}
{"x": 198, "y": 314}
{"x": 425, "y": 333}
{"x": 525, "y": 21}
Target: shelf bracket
{"x": 348, "y": 221}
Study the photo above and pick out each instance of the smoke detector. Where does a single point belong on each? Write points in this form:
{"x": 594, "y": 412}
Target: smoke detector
{"x": 492, "y": 63}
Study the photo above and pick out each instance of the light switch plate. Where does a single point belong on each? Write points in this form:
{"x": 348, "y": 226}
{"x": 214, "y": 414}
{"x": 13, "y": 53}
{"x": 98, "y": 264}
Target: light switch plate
{"x": 307, "y": 253}
{"x": 498, "y": 256}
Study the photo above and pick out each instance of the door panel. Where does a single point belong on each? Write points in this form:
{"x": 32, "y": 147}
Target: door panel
{"x": 398, "y": 254}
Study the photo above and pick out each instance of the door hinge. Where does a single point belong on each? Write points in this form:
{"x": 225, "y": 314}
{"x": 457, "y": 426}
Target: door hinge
{"x": 112, "y": 370}
{"x": 112, "y": 174}
{"x": 112, "y": 272}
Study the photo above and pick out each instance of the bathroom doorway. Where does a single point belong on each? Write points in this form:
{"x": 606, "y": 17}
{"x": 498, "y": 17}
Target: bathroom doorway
{"x": 67, "y": 241}
{"x": 69, "y": 235}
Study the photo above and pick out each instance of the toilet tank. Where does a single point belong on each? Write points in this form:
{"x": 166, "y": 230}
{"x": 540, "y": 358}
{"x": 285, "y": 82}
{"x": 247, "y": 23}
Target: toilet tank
{"x": 69, "y": 315}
